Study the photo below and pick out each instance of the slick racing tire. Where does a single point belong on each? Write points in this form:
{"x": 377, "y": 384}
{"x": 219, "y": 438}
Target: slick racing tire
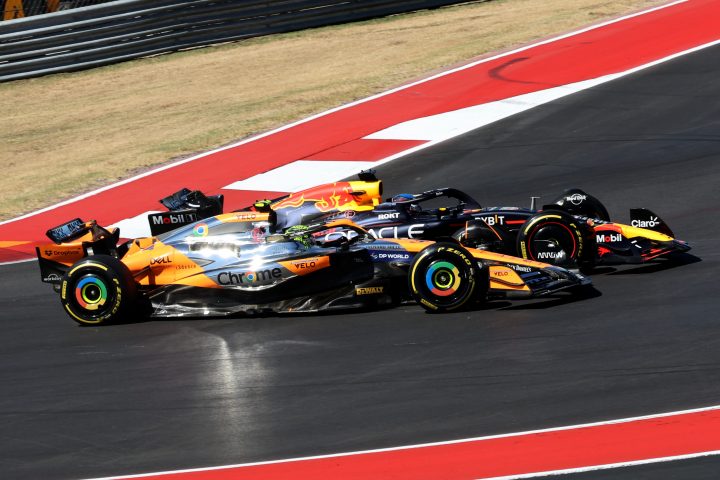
{"x": 98, "y": 290}
{"x": 478, "y": 235}
{"x": 552, "y": 237}
{"x": 445, "y": 277}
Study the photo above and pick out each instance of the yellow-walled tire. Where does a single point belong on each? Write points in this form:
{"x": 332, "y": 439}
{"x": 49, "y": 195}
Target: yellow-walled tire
{"x": 445, "y": 277}
{"x": 99, "y": 290}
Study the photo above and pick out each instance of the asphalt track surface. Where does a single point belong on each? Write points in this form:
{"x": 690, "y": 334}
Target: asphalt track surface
{"x": 161, "y": 395}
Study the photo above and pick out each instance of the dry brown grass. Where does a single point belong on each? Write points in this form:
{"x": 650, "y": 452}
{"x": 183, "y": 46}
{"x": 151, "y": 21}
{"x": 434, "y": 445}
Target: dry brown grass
{"x": 65, "y": 134}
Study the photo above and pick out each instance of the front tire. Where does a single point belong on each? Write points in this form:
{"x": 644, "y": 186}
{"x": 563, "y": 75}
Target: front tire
{"x": 445, "y": 277}
{"x": 552, "y": 237}
{"x": 98, "y": 290}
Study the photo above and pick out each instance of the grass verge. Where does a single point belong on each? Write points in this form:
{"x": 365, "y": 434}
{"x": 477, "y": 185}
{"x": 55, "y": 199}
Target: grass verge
{"x": 65, "y": 134}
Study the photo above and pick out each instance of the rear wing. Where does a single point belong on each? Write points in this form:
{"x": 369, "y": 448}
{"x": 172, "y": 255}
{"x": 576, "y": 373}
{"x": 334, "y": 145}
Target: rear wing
{"x": 73, "y": 241}
{"x": 68, "y": 231}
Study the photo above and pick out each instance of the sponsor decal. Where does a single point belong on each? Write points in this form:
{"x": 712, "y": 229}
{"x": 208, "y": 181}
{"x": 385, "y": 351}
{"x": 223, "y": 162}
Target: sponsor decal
{"x": 390, "y": 256}
{"x": 245, "y": 216}
{"x": 386, "y": 216}
{"x": 505, "y": 276}
{"x": 165, "y": 259}
{"x": 458, "y": 253}
{"x": 413, "y": 231}
{"x": 186, "y": 266}
{"x": 305, "y": 264}
{"x": 53, "y": 277}
{"x": 613, "y": 237}
{"x": 215, "y": 245}
{"x": 118, "y": 297}
{"x": 520, "y": 268}
{"x": 550, "y": 255}
{"x": 369, "y": 290}
{"x": 653, "y": 222}
{"x": 61, "y": 253}
{"x": 428, "y": 304}
{"x": 494, "y": 220}
{"x": 576, "y": 198}
{"x": 248, "y": 278}
{"x": 391, "y": 246}
{"x": 201, "y": 230}
{"x": 173, "y": 218}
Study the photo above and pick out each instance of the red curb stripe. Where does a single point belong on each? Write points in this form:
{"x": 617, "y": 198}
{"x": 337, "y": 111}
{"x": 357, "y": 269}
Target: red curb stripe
{"x": 365, "y": 149}
{"x": 517, "y": 454}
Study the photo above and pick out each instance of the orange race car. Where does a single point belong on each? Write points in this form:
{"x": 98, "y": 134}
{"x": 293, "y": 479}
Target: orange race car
{"x": 232, "y": 263}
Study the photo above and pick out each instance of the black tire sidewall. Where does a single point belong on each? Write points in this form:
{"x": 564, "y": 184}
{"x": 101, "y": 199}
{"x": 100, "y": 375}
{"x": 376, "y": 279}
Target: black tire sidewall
{"x": 527, "y": 250}
{"x": 467, "y": 274}
{"x": 114, "y": 276}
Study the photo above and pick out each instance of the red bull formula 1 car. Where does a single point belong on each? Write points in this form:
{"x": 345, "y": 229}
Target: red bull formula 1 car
{"x": 233, "y": 263}
{"x": 574, "y": 231}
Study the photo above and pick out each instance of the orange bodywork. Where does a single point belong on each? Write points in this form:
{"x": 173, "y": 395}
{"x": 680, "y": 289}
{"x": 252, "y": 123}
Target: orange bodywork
{"x": 163, "y": 265}
{"x": 505, "y": 278}
{"x": 306, "y": 265}
{"x": 160, "y": 265}
{"x": 502, "y": 277}
{"x": 154, "y": 263}
{"x": 67, "y": 253}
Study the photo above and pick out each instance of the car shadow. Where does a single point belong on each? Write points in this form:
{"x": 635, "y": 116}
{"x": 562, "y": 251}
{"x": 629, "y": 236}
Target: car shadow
{"x": 560, "y": 298}
{"x": 675, "y": 260}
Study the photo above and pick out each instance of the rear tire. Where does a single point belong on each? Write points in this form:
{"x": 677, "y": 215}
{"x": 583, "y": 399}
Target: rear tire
{"x": 445, "y": 277}
{"x": 552, "y": 237}
{"x": 98, "y": 290}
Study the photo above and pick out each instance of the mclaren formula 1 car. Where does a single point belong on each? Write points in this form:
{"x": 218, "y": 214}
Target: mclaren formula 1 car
{"x": 574, "y": 231}
{"x": 232, "y": 263}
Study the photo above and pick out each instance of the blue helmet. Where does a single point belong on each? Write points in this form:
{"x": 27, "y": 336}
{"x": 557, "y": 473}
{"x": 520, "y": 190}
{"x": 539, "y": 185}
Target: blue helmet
{"x": 402, "y": 197}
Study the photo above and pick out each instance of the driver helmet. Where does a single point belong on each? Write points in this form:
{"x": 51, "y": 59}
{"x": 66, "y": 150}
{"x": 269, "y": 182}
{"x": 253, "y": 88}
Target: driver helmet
{"x": 403, "y": 198}
{"x": 300, "y": 234}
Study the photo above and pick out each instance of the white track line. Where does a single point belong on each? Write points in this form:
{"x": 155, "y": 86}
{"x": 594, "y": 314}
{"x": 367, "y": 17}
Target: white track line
{"x": 447, "y": 125}
{"x": 299, "y": 175}
{"x": 2, "y": 264}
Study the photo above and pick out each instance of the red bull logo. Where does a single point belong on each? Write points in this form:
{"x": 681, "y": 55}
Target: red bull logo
{"x": 326, "y": 198}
